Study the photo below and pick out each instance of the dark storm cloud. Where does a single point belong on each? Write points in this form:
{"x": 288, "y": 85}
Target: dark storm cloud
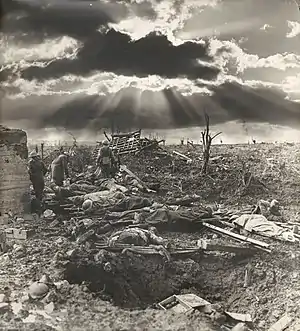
{"x": 115, "y": 52}
{"x": 76, "y": 18}
{"x": 229, "y": 102}
{"x": 257, "y": 104}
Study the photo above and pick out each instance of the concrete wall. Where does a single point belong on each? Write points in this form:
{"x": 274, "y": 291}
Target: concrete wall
{"x": 14, "y": 179}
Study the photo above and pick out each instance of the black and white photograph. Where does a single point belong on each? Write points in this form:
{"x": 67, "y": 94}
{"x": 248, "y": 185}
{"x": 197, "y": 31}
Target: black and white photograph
{"x": 150, "y": 165}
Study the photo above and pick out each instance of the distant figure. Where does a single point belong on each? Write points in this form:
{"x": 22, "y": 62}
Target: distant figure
{"x": 105, "y": 159}
{"x": 182, "y": 141}
{"x": 116, "y": 162}
{"x": 59, "y": 169}
{"x": 37, "y": 170}
{"x": 254, "y": 141}
{"x": 221, "y": 141}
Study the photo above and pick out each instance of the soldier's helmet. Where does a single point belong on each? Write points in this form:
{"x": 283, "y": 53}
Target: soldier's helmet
{"x": 33, "y": 154}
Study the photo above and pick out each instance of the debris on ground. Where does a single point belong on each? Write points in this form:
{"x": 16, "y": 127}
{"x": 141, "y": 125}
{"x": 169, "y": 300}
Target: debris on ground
{"x": 157, "y": 240}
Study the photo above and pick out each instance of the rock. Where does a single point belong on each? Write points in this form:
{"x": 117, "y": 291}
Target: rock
{"x": 3, "y": 298}
{"x": 58, "y": 257}
{"x": 240, "y": 327}
{"x": 71, "y": 253}
{"x": 207, "y": 309}
{"x": 49, "y": 214}
{"x": 49, "y": 308}
{"x": 4, "y": 307}
{"x": 16, "y": 307}
{"x": 23, "y": 313}
{"x": 219, "y": 318}
{"x": 4, "y": 258}
{"x": 62, "y": 286}
{"x": 107, "y": 267}
{"x": 50, "y": 297}
{"x": 29, "y": 319}
{"x": 261, "y": 325}
{"x": 25, "y": 298}
{"x": 59, "y": 241}
{"x": 45, "y": 279}
{"x": 38, "y": 290}
{"x": 217, "y": 307}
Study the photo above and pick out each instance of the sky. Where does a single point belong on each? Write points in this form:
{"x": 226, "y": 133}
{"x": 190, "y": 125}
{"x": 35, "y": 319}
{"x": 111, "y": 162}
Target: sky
{"x": 155, "y": 64}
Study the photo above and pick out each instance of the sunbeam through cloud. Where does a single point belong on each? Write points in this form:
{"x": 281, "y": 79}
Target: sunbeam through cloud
{"x": 152, "y": 64}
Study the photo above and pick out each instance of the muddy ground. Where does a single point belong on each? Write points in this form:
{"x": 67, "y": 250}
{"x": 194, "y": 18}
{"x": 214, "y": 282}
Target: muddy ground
{"x": 124, "y": 298}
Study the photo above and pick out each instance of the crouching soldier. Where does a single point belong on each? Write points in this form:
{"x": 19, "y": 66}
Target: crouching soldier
{"x": 59, "y": 169}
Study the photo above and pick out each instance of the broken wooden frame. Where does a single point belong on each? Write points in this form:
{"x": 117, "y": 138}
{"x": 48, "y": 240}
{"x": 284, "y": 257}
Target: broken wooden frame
{"x": 182, "y": 303}
{"x": 256, "y": 243}
{"x": 126, "y": 143}
{"x": 181, "y": 252}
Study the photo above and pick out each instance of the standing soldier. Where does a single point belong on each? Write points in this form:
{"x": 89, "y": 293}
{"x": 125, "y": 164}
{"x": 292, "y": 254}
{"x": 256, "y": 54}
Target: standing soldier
{"x": 105, "y": 159}
{"x": 116, "y": 162}
{"x": 37, "y": 170}
{"x": 59, "y": 169}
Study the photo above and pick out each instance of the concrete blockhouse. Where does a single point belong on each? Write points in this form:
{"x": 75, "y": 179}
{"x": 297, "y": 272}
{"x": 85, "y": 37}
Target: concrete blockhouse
{"x": 14, "y": 178}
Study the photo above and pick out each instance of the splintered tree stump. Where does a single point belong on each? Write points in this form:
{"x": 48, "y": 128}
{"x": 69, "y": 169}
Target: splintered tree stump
{"x": 206, "y": 143}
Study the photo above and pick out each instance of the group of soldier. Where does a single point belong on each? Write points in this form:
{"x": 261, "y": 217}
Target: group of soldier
{"x": 107, "y": 160}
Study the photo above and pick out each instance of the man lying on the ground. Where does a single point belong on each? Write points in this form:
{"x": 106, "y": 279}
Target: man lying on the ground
{"x": 131, "y": 182}
{"x": 259, "y": 224}
{"x": 86, "y": 188}
{"x": 137, "y": 237}
{"x": 60, "y": 192}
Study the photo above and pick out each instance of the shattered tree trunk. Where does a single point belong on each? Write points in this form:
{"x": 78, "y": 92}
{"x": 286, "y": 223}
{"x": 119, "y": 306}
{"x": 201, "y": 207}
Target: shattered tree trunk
{"x": 206, "y": 143}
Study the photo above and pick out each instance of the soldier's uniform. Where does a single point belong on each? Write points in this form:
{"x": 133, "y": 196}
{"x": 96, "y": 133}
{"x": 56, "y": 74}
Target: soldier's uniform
{"x": 105, "y": 159}
{"x": 59, "y": 169}
{"x": 37, "y": 171}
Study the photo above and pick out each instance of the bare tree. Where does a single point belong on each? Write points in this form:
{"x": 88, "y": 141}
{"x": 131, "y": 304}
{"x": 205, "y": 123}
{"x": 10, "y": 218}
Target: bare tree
{"x": 74, "y": 139}
{"x": 206, "y": 143}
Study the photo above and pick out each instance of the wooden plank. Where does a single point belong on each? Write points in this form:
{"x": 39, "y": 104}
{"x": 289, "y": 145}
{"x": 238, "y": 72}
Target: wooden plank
{"x": 282, "y": 324}
{"x": 192, "y": 300}
{"x": 124, "y": 168}
{"x": 182, "y": 155}
{"x": 120, "y": 247}
{"x": 129, "y": 135}
{"x": 238, "y": 237}
{"x": 239, "y": 317}
{"x": 206, "y": 246}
